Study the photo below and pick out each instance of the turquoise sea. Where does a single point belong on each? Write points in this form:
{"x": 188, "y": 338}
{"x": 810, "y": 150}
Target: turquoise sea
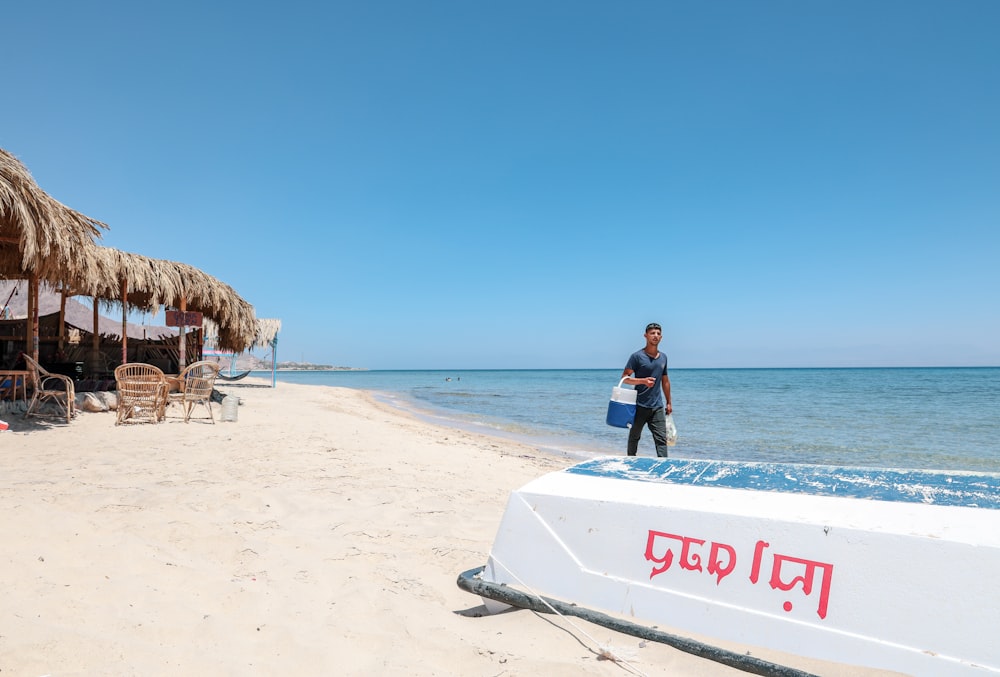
{"x": 931, "y": 418}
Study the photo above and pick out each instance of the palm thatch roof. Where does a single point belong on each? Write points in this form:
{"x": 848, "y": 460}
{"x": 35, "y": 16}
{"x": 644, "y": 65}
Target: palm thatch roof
{"x": 267, "y": 331}
{"x": 150, "y": 283}
{"x": 219, "y": 302}
{"x": 39, "y": 234}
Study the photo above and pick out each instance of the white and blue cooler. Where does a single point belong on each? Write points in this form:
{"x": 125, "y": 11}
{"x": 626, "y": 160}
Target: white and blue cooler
{"x": 621, "y": 408}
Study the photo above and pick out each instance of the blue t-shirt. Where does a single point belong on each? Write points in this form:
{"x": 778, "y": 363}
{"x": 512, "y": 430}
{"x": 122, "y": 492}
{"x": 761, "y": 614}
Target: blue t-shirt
{"x": 644, "y": 366}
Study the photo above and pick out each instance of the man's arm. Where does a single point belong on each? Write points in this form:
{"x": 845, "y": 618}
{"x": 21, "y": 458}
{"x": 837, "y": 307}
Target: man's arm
{"x": 649, "y": 382}
{"x": 665, "y": 384}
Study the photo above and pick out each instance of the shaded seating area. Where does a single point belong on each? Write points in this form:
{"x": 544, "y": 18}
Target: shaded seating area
{"x": 49, "y": 388}
{"x": 142, "y": 393}
{"x": 83, "y": 344}
{"x": 49, "y": 257}
{"x": 194, "y": 387}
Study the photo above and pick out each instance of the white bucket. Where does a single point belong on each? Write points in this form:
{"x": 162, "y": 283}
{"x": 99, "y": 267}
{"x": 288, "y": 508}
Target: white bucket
{"x": 230, "y": 408}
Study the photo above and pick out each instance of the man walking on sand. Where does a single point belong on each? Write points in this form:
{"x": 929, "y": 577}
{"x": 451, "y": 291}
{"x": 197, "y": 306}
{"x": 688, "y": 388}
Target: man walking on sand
{"x": 647, "y": 371}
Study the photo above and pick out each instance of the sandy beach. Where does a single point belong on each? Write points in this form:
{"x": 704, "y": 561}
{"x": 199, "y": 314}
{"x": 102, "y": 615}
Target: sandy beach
{"x": 320, "y": 534}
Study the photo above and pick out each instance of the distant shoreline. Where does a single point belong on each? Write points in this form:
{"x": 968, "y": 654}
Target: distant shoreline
{"x": 313, "y": 369}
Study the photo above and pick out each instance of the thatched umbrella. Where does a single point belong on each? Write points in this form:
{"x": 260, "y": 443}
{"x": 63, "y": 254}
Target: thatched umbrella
{"x": 266, "y": 336}
{"x": 40, "y": 238}
{"x": 267, "y": 332}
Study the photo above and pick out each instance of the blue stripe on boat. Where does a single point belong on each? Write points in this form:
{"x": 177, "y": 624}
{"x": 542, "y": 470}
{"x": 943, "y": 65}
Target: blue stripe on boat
{"x": 935, "y": 487}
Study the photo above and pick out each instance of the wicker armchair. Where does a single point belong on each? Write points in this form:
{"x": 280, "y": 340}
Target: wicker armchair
{"x": 142, "y": 393}
{"x": 45, "y": 391}
{"x": 196, "y": 383}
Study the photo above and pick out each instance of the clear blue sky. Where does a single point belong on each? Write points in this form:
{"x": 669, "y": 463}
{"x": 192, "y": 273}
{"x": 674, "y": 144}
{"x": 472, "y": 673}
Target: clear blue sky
{"x": 526, "y": 184}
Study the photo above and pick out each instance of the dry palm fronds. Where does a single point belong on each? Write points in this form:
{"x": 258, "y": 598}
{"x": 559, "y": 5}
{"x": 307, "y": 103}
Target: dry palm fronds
{"x": 267, "y": 330}
{"x": 39, "y": 234}
{"x": 149, "y": 283}
{"x": 42, "y": 236}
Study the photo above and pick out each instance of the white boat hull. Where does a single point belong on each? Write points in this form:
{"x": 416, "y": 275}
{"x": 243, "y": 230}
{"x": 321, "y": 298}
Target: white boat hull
{"x": 881, "y": 568}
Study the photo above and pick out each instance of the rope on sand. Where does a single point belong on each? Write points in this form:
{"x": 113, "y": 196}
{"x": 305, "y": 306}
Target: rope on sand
{"x": 603, "y": 651}
{"x": 471, "y": 581}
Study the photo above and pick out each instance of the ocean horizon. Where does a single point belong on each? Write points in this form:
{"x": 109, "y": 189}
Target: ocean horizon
{"x": 940, "y": 418}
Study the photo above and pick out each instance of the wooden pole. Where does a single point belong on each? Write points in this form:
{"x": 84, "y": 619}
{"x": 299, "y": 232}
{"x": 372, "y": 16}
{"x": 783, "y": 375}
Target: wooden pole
{"x": 124, "y": 321}
{"x": 182, "y": 358}
{"x": 95, "y": 342}
{"x": 33, "y": 282}
{"x": 27, "y": 319}
{"x": 62, "y": 323}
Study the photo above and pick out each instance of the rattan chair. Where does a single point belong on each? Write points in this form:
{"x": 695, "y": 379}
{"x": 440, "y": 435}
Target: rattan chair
{"x": 196, "y": 383}
{"x": 45, "y": 392}
{"x": 142, "y": 393}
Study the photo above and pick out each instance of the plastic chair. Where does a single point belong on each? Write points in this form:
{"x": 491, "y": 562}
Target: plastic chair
{"x": 45, "y": 392}
{"x": 142, "y": 393}
{"x": 196, "y": 383}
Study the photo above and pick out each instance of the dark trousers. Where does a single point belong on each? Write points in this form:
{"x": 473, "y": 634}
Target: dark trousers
{"x": 656, "y": 419}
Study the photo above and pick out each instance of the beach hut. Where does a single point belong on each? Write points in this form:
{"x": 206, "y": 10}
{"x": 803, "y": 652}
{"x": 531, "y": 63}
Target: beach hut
{"x": 133, "y": 282}
{"x": 41, "y": 239}
{"x": 117, "y": 278}
{"x": 138, "y": 282}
